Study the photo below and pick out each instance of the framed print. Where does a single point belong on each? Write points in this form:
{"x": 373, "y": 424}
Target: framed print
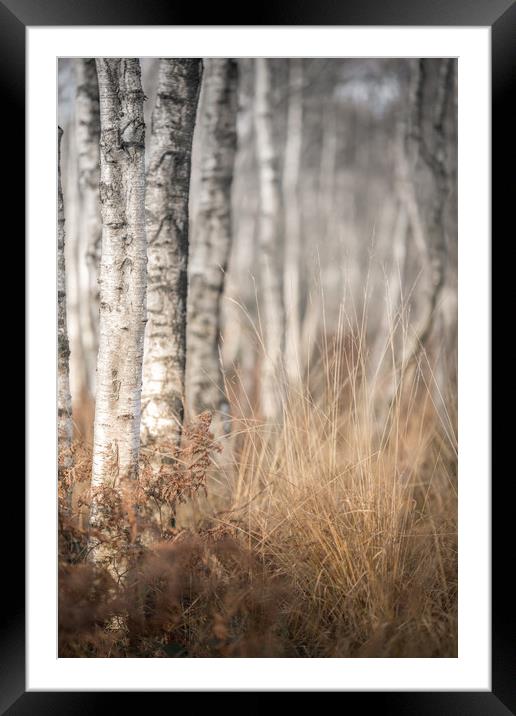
{"x": 258, "y": 353}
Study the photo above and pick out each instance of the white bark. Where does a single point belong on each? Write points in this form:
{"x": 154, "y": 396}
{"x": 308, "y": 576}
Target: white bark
{"x": 291, "y": 169}
{"x": 64, "y": 402}
{"x": 237, "y": 346}
{"x": 79, "y": 384}
{"x": 168, "y": 182}
{"x": 122, "y": 274}
{"x": 212, "y": 238}
{"x": 273, "y": 313}
{"x": 87, "y": 135}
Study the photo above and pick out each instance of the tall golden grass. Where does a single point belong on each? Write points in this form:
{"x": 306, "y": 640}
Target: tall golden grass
{"x": 332, "y": 533}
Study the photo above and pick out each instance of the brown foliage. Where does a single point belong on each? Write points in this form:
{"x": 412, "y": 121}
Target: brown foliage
{"x": 329, "y": 545}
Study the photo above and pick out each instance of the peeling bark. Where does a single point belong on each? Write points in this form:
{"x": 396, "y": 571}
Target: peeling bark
{"x": 212, "y": 239}
{"x": 64, "y": 402}
{"x": 122, "y": 275}
{"x": 273, "y": 318}
{"x": 167, "y": 193}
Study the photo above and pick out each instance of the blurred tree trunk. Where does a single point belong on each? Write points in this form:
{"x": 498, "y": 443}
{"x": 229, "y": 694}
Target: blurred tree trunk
{"x": 64, "y": 402}
{"x": 327, "y": 224}
{"x": 238, "y": 352}
{"x": 273, "y": 313}
{"x": 291, "y": 169}
{"x": 168, "y": 182}
{"x": 122, "y": 281}
{"x": 212, "y": 238}
{"x": 79, "y": 381}
{"x": 427, "y": 143}
{"x": 87, "y": 133}
{"x": 424, "y": 162}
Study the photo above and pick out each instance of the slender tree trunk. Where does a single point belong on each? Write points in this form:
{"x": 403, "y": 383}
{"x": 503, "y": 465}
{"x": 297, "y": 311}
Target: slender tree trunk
{"x": 293, "y": 359}
{"x": 327, "y": 227}
{"x": 237, "y": 346}
{"x": 79, "y": 384}
{"x": 64, "y": 402}
{"x": 168, "y": 182}
{"x": 122, "y": 277}
{"x": 426, "y": 147}
{"x": 431, "y": 147}
{"x": 273, "y": 313}
{"x": 87, "y": 132}
{"x": 212, "y": 239}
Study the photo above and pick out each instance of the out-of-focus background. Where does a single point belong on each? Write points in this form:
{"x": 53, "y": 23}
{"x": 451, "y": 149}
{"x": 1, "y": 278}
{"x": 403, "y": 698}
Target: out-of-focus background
{"x": 361, "y": 251}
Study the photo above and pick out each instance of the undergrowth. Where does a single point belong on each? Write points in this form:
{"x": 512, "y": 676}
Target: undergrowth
{"x": 330, "y": 534}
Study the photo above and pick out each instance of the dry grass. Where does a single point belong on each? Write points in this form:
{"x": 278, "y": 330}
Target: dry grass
{"x": 331, "y": 534}
{"x": 357, "y": 513}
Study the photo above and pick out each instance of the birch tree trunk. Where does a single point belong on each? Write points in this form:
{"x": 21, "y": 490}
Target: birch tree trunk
{"x": 212, "y": 239}
{"x": 430, "y": 146}
{"x": 293, "y": 360}
{"x": 64, "y": 402}
{"x": 79, "y": 383}
{"x": 122, "y": 276}
{"x": 87, "y": 132}
{"x": 425, "y": 154}
{"x": 327, "y": 225}
{"x": 237, "y": 346}
{"x": 168, "y": 182}
{"x": 273, "y": 314}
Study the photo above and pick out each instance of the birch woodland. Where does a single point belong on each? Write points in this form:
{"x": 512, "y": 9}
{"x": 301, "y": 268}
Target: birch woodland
{"x": 272, "y": 267}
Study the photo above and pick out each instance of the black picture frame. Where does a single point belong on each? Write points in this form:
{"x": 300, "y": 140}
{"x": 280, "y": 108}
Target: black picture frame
{"x": 500, "y": 15}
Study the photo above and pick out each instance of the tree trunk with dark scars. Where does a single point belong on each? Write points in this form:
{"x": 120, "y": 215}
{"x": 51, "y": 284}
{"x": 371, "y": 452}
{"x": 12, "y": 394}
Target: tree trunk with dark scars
{"x": 167, "y": 194}
{"x": 425, "y": 155}
{"x": 123, "y": 281}
{"x": 64, "y": 402}
{"x": 427, "y": 143}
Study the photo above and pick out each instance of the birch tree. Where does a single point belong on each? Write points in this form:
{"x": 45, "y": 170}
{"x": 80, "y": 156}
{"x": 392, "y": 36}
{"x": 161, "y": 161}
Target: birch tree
{"x": 291, "y": 170}
{"x": 79, "y": 379}
{"x": 168, "y": 182}
{"x": 64, "y": 402}
{"x": 122, "y": 276}
{"x": 212, "y": 237}
{"x": 87, "y": 134}
{"x": 273, "y": 317}
{"x": 327, "y": 226}
{"x": 427, "y": 147}
{"x": 423, "y": 162}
